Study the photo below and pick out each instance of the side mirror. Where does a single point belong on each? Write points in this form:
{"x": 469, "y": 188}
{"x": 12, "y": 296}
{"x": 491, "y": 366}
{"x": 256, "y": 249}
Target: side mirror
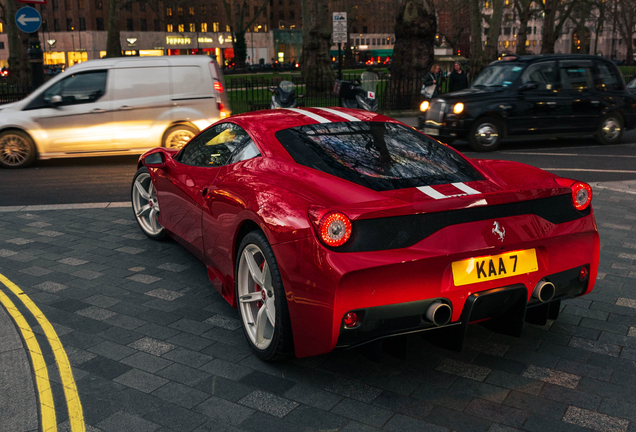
{"x": 531, "y": 85}
{"x": 155, "y": 160}
{"x": 56, "y": 100}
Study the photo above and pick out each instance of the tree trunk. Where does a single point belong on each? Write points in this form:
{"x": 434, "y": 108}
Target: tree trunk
{"x": 315, "y": 59}
{"x": 240, "y": 49}
{"x": 20, "y": 72}
{"x": 415, "y": 28}
{"x": 523, "y": 10}
{"x": 113, "y": 44}
{"x": 477, "y": 63}
{"x": 548, "y": 37}
{"x": 491, "y": 51}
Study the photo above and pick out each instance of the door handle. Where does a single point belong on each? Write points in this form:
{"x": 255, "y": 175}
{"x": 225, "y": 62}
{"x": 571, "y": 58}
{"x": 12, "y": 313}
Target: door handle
{"x": 595, "y": 102}
{"x": 204, "y": 193}
{"x": 125, "y": 108}
{"x": 98, "y": 111}
{"x": 550, "y": 103}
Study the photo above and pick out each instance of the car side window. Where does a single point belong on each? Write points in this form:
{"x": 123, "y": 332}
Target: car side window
{"x": 606, "y": 78}
{"x": 543, "y": 73}
{"x": 576, "y": 76}
{"x": 215, "y": 146}
{"x": 78, "y": 88}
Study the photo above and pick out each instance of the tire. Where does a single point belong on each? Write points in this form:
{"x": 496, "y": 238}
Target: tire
{"x": 610, "y": 129}
{"x": 486, "y": 134}
{"x": 177, "y": 136}
{"x": 17, "y": 149}
{"x": 145, "y": 205}
{"x": 260, "y": 304}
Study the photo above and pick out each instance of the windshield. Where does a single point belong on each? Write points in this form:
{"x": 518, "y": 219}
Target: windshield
{"x": 287, "y": 86}
{"x": 377, "y": 155}
{"x": 499, "y": 75}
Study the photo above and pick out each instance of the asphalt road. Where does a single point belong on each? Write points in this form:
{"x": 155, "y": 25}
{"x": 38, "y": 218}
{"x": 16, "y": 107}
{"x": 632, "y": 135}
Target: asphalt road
{"x": 108, "y": 179}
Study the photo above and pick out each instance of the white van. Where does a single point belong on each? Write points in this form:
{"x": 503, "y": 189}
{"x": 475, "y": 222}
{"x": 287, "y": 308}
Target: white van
{"x": 112, "y": 107}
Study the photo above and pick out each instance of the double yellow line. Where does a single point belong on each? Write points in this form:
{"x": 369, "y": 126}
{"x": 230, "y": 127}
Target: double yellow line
{"x": 43, "y": 384}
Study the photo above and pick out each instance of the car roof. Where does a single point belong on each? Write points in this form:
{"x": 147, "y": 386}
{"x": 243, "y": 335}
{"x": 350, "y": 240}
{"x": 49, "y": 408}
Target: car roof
{"x": 141, "y": 61}
{"x": 533, "y": 58}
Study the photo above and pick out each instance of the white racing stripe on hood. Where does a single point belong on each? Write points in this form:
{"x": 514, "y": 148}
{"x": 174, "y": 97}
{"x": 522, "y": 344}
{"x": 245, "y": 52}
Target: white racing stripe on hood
{"x": 464, "y": 188}
{"x": 431, "y": 192}
{"x": 339, "y": 114}
{"x": 309, "y": 114}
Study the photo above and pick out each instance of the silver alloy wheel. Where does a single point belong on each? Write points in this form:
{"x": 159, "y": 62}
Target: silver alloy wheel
{"x": 486, "y": 134}
{"x": 611, "y": 129}
{"x": 14, "y": 149}
{"x": 178, "y": 138}
{"x": 256, "y": 296}
{"x": 145, "y": 204}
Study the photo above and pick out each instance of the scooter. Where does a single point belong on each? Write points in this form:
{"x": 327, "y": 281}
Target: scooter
{"x": 284, "y": 95}
{"x": 360, "y": 93}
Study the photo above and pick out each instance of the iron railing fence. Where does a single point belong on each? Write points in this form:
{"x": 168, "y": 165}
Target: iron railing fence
{"x": 13, "y": 92}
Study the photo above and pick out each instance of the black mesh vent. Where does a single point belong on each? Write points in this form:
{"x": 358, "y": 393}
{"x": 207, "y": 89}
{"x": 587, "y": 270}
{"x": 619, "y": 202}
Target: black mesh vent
{"x": 404, "y": 231}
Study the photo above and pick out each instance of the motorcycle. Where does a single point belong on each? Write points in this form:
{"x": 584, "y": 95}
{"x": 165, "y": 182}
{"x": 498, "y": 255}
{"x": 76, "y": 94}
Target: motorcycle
{"x": 360, "y": 93}
{"x": 284, "y": 95}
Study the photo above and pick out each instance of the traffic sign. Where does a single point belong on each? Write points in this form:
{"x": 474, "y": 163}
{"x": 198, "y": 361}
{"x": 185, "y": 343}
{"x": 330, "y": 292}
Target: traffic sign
{"x": 28, "y": 19}
{"x": 340, "y": 34}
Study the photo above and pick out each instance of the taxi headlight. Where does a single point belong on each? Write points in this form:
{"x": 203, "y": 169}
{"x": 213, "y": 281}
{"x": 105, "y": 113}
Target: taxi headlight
{"x": 424, "y": 106}
{"x": 458, "y": 108}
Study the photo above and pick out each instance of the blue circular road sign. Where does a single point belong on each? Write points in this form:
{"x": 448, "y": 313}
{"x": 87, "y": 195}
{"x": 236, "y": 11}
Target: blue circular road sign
{"x": 28, "y": 19}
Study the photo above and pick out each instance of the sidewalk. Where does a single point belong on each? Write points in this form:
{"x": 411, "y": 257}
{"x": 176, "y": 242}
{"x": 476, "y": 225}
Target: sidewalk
{"x": 154, "y": 347}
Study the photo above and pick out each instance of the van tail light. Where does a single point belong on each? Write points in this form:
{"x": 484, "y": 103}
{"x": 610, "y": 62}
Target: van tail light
{"x": 223, "y": 113}
{"x": 581, "y": 195}
{"x": 218, "y": 86}
{"x": 333, "y": 228}
{"x": 581, "y": 192}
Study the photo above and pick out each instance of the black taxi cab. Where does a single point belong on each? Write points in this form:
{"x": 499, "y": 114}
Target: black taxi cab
{"x": 533, "y": 96}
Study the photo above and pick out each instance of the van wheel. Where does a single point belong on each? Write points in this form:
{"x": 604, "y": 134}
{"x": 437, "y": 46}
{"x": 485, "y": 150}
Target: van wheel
{"x": 178, "y": 136}
{"x": 486, "y": 134}
{"x": 17, "y": 149}
{"x": 610, "y": 130}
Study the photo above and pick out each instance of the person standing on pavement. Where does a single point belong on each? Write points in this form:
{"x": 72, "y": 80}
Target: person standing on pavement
{"x": 458, "y": 79}
{"x": 434, "y": 77}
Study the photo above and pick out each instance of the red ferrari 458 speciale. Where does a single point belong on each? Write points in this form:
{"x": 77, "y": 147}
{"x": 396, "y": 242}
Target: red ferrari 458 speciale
{"x": 331, "y": 228}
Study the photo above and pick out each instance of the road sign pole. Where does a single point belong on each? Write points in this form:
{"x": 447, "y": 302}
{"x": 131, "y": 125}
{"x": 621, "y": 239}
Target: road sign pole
{"x": 36, "y": 60}
{"x": 339, "y": 60}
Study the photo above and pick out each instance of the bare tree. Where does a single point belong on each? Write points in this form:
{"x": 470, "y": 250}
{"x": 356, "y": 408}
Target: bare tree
{"x": 18, "y": 44}
{"x": 236, "y": 12}
{"x": 524, "y": 12}
{"x": 625, "y": 16}
{"x": 113, "y": 41}
{"x": 480, "y": 57}
{"x": 556, "y": 14}
{"x": 415, "y": 29}
{"x": 459, "y": 17}
{"x": 316, "y": 59}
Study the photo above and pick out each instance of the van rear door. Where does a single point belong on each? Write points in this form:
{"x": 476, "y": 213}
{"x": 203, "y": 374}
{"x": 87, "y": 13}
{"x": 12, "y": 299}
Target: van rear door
{"x": 141, "y": 103}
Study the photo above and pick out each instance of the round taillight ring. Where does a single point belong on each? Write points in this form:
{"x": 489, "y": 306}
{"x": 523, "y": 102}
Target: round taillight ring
{"x": 334, "y": 229}
{"x": 581, "y": 195}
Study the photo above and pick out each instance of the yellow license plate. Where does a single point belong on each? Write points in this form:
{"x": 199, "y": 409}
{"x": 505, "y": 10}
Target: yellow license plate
{"x": 474, "y": 270}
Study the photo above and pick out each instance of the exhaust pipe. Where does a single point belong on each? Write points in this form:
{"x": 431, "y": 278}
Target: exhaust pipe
{"x": 544, "y": 291}
{"x": 439, "y": 313}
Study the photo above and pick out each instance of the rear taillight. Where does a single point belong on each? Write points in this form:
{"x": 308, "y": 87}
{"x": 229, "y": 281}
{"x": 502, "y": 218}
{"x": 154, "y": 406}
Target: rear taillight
{"x": 218, "y": 86}
{"x": 223, "y": 113}
{"x": 334, "y": 229}
{"x": 581, "y": 195}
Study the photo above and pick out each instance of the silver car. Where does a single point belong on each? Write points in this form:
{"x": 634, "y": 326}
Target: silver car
{"x": 114, "y": 107}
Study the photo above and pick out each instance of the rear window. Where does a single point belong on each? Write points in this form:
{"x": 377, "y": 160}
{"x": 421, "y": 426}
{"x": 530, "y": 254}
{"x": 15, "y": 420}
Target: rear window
{"x": 380, "y": 156}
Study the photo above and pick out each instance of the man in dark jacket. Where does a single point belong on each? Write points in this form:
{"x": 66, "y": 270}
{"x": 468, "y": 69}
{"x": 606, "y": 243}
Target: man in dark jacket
{"x": 458, "y": 79}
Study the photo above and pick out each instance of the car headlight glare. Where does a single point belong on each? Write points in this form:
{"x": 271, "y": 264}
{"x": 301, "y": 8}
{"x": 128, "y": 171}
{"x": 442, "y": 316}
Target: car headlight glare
{"x": 458, "y": 108}
{"x": 424, "y": 106}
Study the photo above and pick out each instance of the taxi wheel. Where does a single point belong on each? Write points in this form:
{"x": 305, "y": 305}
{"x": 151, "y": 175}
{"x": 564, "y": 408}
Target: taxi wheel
{"x": 610, "y": 130}
{"x": 261, "y": 299}
{"x": 17, "y": 149}
{"x": 145, "y": 205}
{"x": 178, "y": 136}
{"x": 486, "y": 134}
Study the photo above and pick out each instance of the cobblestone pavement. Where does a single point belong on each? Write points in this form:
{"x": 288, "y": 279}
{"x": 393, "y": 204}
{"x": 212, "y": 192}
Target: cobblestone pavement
{"x": 155, "y": 348}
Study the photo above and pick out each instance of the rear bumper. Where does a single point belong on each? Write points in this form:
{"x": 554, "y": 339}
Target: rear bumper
{"x": 391, "y": 289}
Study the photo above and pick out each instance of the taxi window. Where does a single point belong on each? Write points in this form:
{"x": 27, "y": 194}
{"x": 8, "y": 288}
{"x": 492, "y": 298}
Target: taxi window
{"x": 576, "y": 76}
{"x": 543, "y": 73}
{"x": 218, "y": 146}
{"x": 607, "y": 78}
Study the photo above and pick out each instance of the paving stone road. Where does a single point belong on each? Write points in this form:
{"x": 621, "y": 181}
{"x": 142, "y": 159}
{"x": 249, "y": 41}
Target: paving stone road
{"x": 155, "y": 348}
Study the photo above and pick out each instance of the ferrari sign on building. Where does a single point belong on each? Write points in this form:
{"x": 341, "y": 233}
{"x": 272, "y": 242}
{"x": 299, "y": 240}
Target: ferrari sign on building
{"x": 340, "y": 27}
